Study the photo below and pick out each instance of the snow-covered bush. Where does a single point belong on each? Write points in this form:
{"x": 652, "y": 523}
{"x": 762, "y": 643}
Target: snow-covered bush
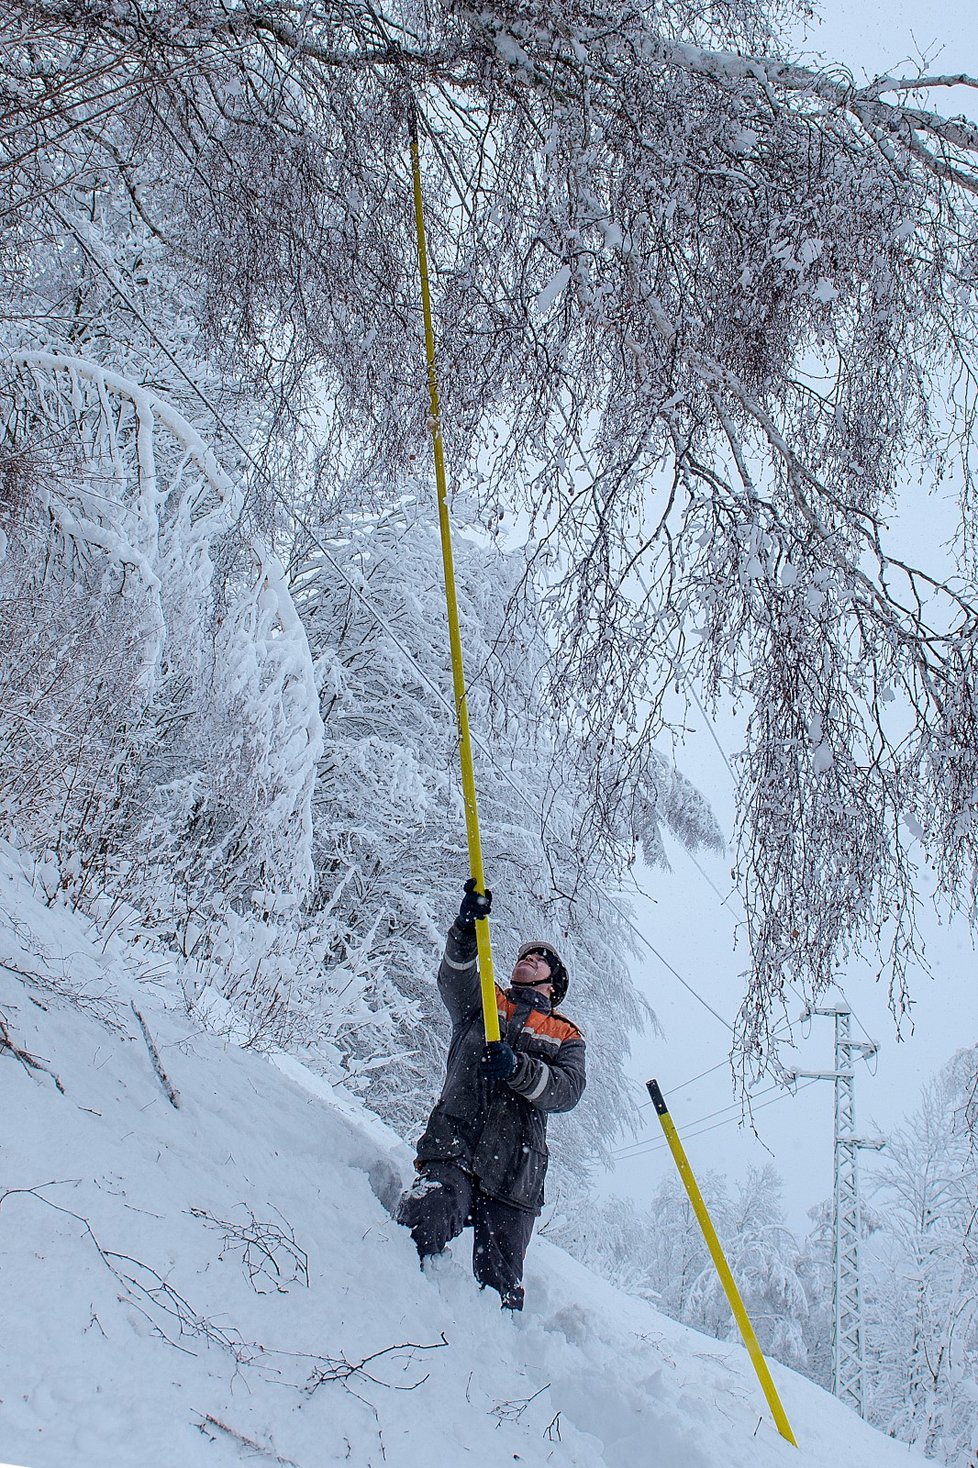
{"x": 159, "y": 724}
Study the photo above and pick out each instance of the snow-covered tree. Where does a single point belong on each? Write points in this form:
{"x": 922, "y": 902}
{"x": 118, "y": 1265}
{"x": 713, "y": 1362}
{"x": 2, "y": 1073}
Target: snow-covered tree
{"x": 765, "y": 1259}
{"x": 659, "y": 1253}
{"x": 390, "y": 852}
{"x": 816, "y": 1271}
{"x": 655, "y": 1252}
{"x": 923, "y": 1325}
{"x": 161, "y": 734}
{"x": 158, "y": 709}
{"x": 704, "y": 311}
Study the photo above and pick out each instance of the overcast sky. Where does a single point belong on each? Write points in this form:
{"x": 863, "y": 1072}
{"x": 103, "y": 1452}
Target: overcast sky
{"x": 694, "y": 930}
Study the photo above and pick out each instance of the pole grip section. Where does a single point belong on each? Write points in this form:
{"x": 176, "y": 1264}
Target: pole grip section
{"x": 490, "y": 1015}
{"x": 720, "y": 1264}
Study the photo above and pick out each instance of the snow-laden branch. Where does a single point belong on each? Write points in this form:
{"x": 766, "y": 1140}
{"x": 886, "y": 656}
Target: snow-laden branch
{"x": 704, "y": 312}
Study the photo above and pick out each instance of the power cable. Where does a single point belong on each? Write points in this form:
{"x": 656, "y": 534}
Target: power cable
{"x": 675, "y": 972}
{"x": 682, "y": 1085}
{"x": 709, "y": 880}
{"x": 730, "y": 1120}
{"x": 712, "y": 733}
{"x": 870, "y": 1060}
{"x": 622, "y": 1152}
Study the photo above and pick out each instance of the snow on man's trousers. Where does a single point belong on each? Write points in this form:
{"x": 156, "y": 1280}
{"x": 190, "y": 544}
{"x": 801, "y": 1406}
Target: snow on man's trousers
{"x": 443, "y": 1200}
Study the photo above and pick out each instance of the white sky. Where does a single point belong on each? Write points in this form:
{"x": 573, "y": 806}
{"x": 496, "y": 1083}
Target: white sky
{"x": 872, "y": 38}
{"x": 694, "y": 931}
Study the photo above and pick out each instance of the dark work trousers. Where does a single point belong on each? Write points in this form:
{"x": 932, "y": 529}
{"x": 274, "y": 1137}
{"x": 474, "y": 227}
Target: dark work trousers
{"x": 443, "y": 1200}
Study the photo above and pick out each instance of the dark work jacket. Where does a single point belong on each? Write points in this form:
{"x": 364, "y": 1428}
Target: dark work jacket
{"x": 497, "y": 1130}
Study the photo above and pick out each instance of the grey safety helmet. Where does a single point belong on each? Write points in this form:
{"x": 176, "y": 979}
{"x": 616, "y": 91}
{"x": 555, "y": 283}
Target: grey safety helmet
{"x": 558, "y": 974}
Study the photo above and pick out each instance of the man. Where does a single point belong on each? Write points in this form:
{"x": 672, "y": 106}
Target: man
{"x": 483, "y": 1156}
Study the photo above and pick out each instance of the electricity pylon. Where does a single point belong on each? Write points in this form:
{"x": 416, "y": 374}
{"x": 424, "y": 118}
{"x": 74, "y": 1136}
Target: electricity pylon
{"x": 848, "y": 1352}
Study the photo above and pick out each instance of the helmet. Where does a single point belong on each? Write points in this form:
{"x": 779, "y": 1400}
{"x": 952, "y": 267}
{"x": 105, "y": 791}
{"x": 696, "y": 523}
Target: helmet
{"x": 558, "y": 974}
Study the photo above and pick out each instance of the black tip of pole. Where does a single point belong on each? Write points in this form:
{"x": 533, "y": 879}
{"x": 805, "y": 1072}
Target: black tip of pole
{"x": 658, "y": 1100}
{"x": 411, "y": 109}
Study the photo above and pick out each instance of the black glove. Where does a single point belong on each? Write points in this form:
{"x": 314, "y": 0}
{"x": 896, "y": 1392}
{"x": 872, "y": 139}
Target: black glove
{"x": 499, "y": 1060}
{"x": 474, "y": 905}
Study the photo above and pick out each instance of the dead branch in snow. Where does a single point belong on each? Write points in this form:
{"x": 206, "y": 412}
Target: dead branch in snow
{"x": 339, "y": 1368}
{"x": 512, "y": 1411}
{"x": 143, "y": 1285}
{"x": 270, "y": 1254}
{"x": 26, "y": 1059}
{"x": 208, "y": 1421}
{"x": 169, "y": 1090}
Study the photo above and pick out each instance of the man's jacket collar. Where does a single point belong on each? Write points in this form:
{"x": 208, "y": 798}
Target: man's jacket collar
{"x": 531, "y": 998}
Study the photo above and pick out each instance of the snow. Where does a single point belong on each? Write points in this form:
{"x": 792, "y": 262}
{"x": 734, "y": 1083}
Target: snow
{"x": 178, "y": 1279}
{"x": 552, "y": 290}
{"x": 824, "y": 291}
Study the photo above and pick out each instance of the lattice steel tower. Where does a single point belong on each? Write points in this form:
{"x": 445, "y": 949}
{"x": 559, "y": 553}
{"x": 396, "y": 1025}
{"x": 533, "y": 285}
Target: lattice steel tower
{"x": 848, "y": 1353}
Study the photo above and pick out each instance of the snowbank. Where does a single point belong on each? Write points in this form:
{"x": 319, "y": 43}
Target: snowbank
{"x": 222, "y": 1281}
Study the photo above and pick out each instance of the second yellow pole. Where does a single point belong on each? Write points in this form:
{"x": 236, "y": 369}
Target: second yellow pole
{"x": 720, "y": 1263}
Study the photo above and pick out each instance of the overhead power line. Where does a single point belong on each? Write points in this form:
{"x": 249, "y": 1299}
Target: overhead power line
{"x": 729, "y": 1121}
{"x": 682, "y": 1085}
{"x": 639, "y": 1146}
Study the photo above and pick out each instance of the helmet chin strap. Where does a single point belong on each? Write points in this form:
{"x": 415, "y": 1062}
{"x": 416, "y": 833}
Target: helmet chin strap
{"x": 534, "y": 984}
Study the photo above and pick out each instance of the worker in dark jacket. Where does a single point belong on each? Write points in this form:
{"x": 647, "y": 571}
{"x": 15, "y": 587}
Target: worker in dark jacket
{"x": 483, "y": 1156}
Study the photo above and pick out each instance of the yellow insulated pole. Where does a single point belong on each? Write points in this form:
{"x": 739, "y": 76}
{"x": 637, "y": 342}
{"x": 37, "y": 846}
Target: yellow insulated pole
{"x": 490, "y": 1015}
{"x": 722, "y": 1267}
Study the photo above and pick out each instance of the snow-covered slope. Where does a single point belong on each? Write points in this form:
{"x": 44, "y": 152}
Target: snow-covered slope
{"x": 222, "y": 1281}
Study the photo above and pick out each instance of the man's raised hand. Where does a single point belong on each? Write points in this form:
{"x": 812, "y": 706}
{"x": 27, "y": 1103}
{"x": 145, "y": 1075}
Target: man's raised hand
{"x": 475, "y": 906}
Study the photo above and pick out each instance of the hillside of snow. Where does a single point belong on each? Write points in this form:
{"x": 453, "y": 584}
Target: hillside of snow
{"x": 220, "y": 1281}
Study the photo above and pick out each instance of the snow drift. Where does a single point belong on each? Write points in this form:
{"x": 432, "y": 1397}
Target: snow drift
{"x": 220, "y": 1280}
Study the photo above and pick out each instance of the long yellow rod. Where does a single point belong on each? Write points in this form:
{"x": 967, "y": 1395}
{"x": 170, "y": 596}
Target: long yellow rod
{"x": 490, "y": 1015}
{"x": 720, "y": 1261}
